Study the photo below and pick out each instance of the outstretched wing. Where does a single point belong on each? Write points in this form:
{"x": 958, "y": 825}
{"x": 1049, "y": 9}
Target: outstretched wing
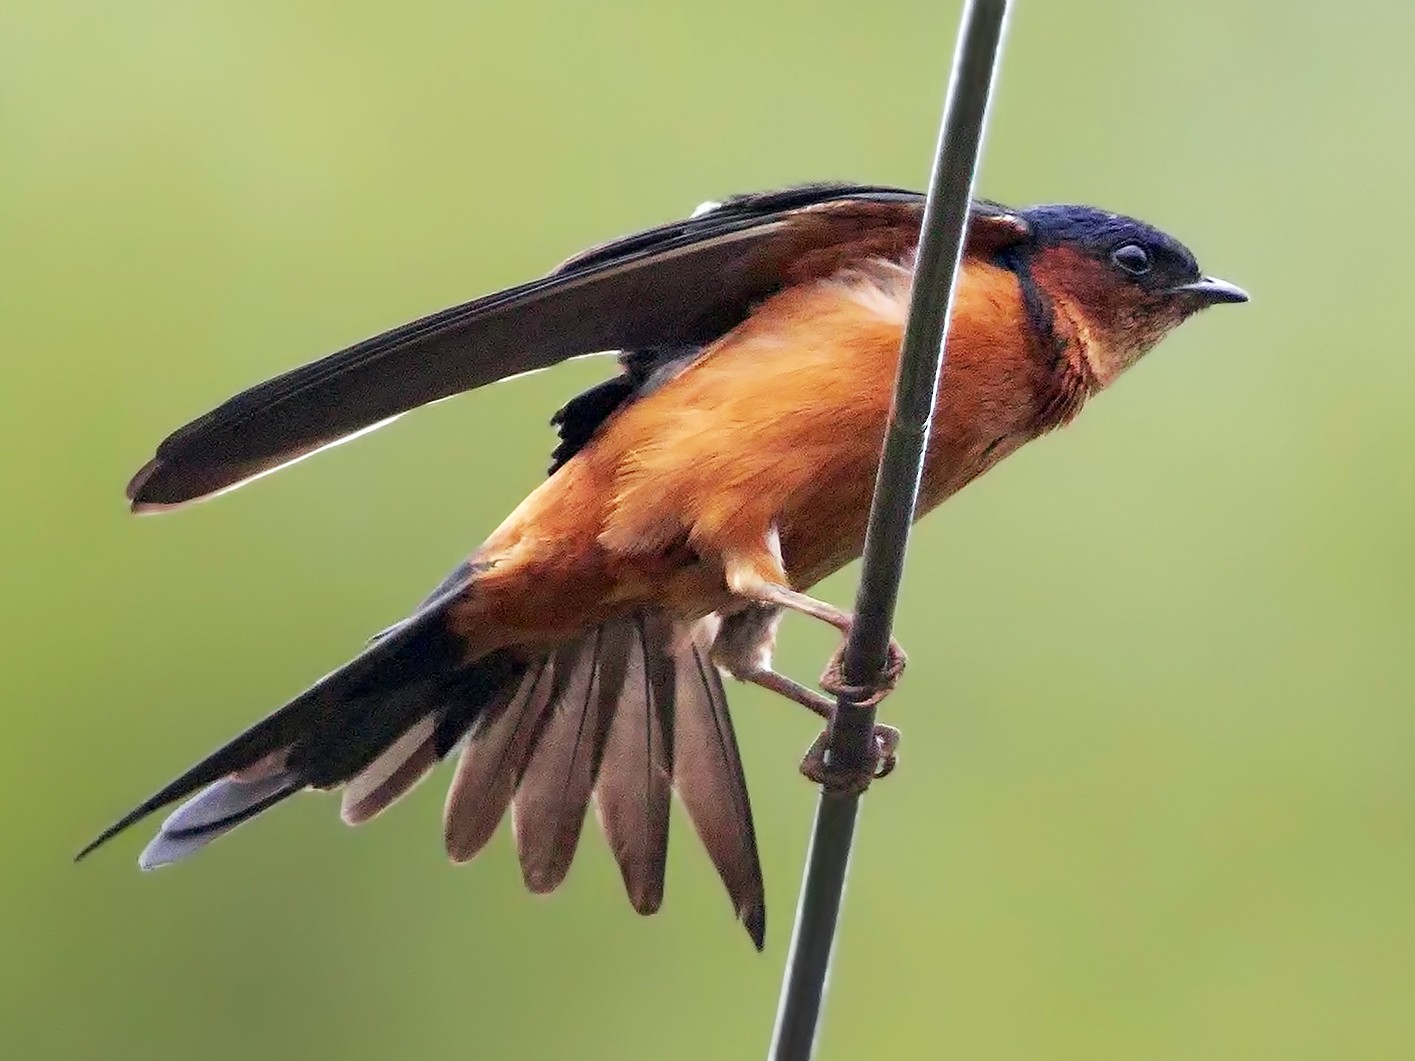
{"x": 680, "y": 284}
{"x": 993, "y": 229}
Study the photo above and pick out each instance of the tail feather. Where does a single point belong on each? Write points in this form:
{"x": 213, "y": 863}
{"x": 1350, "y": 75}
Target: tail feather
{"x": 399, "y": 680}
{"x": 333, "y": 730}
{"x": 392, "y": 775}
{"x": 213, "y": 813}
{"x": 272, "y": 734}
{"x": 632, "y": 794}
{"x": 622, "y": 717}
{"x": 708, "y": 777}
{"x": 548, "y": 809}
{"x": 491, "y": 764}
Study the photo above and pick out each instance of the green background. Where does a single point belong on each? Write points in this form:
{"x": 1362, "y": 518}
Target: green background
{"x": 1158, "y": 790}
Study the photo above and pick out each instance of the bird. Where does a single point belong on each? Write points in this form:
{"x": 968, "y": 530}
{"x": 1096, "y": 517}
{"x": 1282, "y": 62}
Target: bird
{"x": 576, "y": 658}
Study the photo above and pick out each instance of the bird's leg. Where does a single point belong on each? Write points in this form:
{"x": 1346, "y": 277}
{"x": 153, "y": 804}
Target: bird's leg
{"x": 759, "y": 576}
{"x": 744, "y": 645}
{"x": 743, "y": 648}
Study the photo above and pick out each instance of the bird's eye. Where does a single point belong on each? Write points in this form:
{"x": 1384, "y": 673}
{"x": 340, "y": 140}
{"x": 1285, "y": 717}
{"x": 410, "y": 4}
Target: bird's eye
{"x": 1132, "y": 258}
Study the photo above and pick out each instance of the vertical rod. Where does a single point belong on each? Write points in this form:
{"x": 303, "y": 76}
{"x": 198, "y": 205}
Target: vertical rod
{"x": 891, "y": 515}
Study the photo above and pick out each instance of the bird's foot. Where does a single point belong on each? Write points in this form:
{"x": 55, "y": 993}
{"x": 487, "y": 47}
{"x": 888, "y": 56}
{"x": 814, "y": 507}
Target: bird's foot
{"x": 851, "y": 779}
{"x": 833, "y": 680}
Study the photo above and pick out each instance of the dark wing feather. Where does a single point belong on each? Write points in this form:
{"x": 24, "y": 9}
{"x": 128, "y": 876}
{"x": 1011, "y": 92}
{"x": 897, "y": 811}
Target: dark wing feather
{"x": 993, "y": 228}
{"x": 678, "y": 284}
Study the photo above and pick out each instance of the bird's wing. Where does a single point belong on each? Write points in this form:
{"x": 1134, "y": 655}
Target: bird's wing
{"x": 993, "y": 230}
{"x": 679, "y": 284}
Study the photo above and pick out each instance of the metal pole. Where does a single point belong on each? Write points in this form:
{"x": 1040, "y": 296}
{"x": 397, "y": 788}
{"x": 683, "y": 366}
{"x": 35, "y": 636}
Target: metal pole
{"x": 887, "y": 537}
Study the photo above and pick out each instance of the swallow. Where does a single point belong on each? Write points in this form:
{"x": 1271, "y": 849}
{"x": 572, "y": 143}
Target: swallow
{"x": 694, "y": 498}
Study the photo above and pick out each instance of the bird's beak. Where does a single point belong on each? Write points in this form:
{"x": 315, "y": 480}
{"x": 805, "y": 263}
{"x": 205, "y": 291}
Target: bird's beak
{"x": 1210, "y": 291}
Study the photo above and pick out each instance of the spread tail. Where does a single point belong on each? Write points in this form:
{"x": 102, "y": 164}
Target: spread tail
{"x": 620, "y": 718}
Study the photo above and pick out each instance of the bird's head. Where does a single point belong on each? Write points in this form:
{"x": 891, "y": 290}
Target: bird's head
{"x": 1120, "y": 284}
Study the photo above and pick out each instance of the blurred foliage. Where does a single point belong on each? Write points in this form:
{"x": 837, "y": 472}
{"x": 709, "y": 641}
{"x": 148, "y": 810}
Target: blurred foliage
{"x": 1158, "y": 791}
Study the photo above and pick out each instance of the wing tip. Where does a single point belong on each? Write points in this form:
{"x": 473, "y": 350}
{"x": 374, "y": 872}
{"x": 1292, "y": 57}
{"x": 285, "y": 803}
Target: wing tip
{"x": 139, "y": 482}
{"x": 145, "y": 493}
{"x": 151, "y": 508}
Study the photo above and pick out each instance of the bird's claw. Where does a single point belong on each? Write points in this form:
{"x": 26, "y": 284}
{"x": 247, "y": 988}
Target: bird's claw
{"x": 833, "y": 679}
{"x": 851, "y": 779}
